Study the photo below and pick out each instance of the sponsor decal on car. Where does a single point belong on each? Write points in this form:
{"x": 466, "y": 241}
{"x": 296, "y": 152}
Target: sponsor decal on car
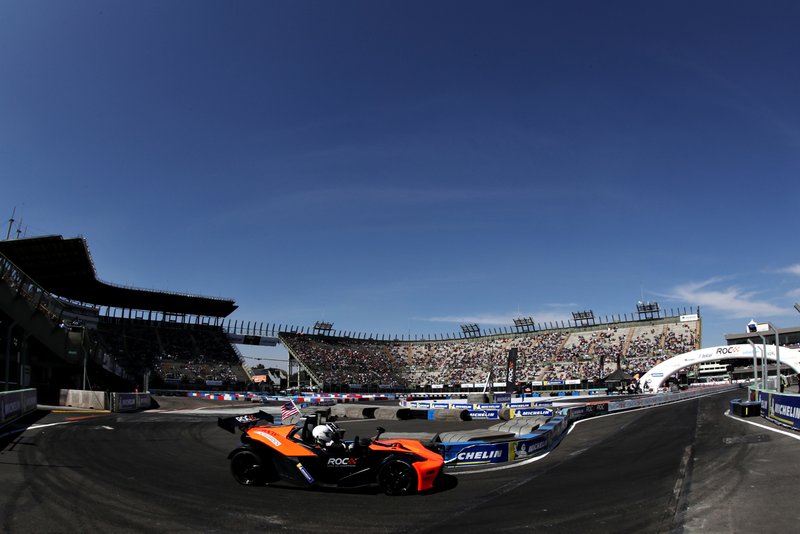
{"x": 269, "y": 437}
{"x": 342, "y": 462}
{"x": 305, "y": 473}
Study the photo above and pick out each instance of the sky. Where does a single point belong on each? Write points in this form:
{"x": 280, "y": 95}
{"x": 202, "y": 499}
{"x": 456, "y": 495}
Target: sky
{"x": 403, "y": 168}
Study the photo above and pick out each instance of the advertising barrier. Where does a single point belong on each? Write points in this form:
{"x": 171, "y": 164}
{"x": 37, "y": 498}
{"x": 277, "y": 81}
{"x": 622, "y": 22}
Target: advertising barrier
{"x": 528, "y": 447}
{"x": 781, "y": 408}
{"x": 484, "y": 414}
{"x": 472, "y": 453}
{"x": 15, "y": 404}
{"x": 130, "y": 402}
{"x": 531, "y": 412}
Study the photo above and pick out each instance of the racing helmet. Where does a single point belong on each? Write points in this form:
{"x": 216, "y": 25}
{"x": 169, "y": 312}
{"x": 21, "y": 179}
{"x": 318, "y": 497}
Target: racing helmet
{"x": 327, "y": 433}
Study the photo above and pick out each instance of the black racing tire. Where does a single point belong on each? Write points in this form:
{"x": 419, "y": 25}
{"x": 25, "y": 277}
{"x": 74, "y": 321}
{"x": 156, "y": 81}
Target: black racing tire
{"x": 397, "y": 477}
{"x": 248, "y": 468}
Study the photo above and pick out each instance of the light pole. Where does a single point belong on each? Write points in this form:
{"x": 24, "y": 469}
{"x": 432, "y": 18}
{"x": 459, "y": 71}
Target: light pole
{"x": 755, "y": 365}
{"x": 755, "y": 328}
{"x": 777, "y": 359}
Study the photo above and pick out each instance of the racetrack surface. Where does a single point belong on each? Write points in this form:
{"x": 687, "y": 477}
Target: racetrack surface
{"x": 681, "y": 467}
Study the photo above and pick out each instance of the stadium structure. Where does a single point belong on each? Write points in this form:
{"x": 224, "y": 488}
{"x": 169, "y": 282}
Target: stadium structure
{"x": 62, "y": 327}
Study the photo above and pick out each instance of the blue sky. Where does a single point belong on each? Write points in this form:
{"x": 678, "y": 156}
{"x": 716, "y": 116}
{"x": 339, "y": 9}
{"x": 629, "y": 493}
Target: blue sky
{"x": 406, "y": 167}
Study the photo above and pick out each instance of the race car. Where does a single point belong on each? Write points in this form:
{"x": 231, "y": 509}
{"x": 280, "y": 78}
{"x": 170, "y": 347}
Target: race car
{"x": 313, "y": 453}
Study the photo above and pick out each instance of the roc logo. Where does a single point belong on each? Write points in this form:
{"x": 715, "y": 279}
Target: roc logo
{"x": 342, "y": 462}
{"x": 728, "y": 350}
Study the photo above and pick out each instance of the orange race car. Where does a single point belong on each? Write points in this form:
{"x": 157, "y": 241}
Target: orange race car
{"x": 314, "y": 453}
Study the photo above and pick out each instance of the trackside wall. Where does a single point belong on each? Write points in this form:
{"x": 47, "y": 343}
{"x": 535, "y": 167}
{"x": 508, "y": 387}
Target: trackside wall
{"x": 780, "y": 408}
{"x": 549, "y": 435}
{"x": 15, "y": 404}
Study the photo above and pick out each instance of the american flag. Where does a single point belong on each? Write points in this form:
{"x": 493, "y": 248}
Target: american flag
{"x": 288, "y": 409}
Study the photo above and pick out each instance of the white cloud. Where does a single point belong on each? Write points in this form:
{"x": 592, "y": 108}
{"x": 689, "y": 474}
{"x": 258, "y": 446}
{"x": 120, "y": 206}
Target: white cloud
{"x": 794, "y": 293}
{"x": 792, "y": 269}
{"x": 730, "y": 301}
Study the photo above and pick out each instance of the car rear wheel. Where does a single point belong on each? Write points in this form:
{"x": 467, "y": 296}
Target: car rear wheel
{"x": 248, "y": 468}
{"x": 397, "y": 477}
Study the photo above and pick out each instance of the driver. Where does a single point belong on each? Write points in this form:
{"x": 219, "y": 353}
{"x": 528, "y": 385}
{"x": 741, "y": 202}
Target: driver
{"x": 328, "y": 436}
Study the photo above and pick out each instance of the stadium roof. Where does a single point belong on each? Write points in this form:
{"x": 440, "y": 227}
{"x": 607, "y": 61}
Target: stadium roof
{"x": 64, "y": 268}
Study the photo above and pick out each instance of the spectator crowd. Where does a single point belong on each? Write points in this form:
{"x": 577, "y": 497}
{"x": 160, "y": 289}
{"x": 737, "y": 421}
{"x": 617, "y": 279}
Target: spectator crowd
{"x": 578, "y": 354}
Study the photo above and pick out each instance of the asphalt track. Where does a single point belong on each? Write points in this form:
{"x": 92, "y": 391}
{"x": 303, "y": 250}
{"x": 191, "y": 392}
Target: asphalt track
{"x": 684, "y": 467}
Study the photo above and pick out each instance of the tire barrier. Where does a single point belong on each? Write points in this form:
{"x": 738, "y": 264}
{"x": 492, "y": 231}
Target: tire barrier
{"x": 521, "y": 425}
{"x": 448, "y": 415}
{"x": 15, "y": 404}
{"x": 482, "y": 435}
{"x": 745, "y": 408}
{"x": 391, "y": 413}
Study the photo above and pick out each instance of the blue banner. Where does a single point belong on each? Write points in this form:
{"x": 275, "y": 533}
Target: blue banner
{"x": 532, "y": 412}
{"x": 502, "y": 397}
{"x": 482, "y": 453}
{"x": 526, "y": 448}
{"x": 519, "y": 405}
{"x": 462, "y": 406}
{"x": 484, "y": 414}
{"x": 491, "y": 406}
{"x": 781, "y": 408}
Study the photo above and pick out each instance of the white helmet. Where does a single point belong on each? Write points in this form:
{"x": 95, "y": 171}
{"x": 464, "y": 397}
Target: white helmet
{"x": 327, "y": 433}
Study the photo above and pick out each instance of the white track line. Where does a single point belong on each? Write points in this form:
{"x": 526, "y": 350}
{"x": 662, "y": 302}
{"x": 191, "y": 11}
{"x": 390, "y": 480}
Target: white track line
{"x": 791, "y": 434}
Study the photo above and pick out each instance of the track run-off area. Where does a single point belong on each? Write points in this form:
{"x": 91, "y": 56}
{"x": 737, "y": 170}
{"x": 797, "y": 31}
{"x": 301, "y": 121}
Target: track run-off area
{"x": 683, "y": 467}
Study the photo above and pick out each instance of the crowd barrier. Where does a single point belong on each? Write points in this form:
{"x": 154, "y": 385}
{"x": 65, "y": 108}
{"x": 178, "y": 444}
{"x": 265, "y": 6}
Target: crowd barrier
{"x": 15, "y": 404}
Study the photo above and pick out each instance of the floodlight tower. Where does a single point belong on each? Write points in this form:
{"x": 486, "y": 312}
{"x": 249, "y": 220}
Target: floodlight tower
{"x": 524, "y": 324}
{"x": 323, "y": 327}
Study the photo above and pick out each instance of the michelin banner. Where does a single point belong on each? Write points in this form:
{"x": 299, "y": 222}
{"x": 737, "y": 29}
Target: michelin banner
{"x": 781, "y": 408}
{"x": 480, "y": 453}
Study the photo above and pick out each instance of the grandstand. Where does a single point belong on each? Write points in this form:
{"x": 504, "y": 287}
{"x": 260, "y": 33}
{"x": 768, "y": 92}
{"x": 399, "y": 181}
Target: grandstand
{"x": 64, "y": 328}
{"x": 582, "y": 354}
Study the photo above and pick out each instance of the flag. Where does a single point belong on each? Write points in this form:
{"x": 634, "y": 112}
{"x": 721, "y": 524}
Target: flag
{"x": 289, "y": 410}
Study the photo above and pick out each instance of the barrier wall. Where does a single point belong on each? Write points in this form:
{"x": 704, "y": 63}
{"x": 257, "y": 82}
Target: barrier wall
{"x": 15, "y": 404}
{"x": 550, "y": 434}
{"x": 87, "y": 399}
{"x": 780, "y": 408}
{"x": 130, "y": 402}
